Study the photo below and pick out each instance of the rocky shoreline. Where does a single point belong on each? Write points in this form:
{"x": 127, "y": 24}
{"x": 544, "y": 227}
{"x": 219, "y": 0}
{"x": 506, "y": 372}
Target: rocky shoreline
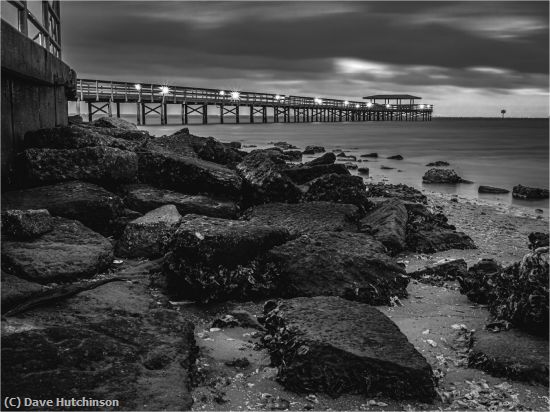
{"x": 122, "y": 251}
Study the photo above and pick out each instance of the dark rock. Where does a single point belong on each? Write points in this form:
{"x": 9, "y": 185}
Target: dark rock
{"x": 148, "y": 236}
{"x": 335, "y": 346}
{"x": 369, "y": 155}
{"x": 438, "y": 163}
{"x": 75, "y": 119}
{"x": 386, "y": 167}
{"x": 114, "y": 122}
{"x": 213, "y": 258}
{"x": 313, "y": 149}
{"x": 170, "y": 163}
{"x": 126, "y": 134}
{"x": 70, "y": 251}
{"x": 308, "y": 217}
{"x": 477, "y": 284}
{"x": 26, "y": 224}
{"x": 396, "y": 157}
{"x": 94, "y": 206}
{"x": 363, "y": 170}
{"x": 264, "y": 178}
{"x": 387, "y": 223}
{"x": 293, "y": 155}
{"x": 206, "y": 148}
{"x": 350, "y": 265}
{"x": 326, "y": 159}
{"x": 524, "y": 192}
{"x": 492, "y": 190}
{"x": 236, "y": 318}
{"x": 142, "y": 362}
{"x": 351, "y": 166}
{"x": 284, "y": 145}
{"x": 400, "y": 191}
{"x": 100, "y": 164}
{"x": 537, "y": 239}
{"x": 240, "y": 363}
{"x": 303, "y": 174}
{"x": 442, "y": 176}
{"x": 249, "y": 145}
{"x": 342, "y": 154}
{"x": 74, "y": 137}
{"x": 511, "y": 354}
{"x": 339, "y": 189}
{"x": 145, "y": 198}
{"x": 440, "y": 273}
{"x": 233, "y": 145}
{"x": 15, "y": 290}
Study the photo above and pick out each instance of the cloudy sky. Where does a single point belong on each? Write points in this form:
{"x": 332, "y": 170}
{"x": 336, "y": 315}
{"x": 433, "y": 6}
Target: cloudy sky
{"x": 467, "y": 58}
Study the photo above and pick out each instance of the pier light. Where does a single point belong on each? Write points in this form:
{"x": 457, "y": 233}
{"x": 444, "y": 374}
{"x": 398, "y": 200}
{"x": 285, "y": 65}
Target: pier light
{"x": 369, "y": 104}
{"x": 318, "y": 101}
{"x": 164, "y": 90}
{"x": 421, "y": 106}
{"x": 277, "y": 97}
{"x": 137, "y": 86}
{"x": 346, "y": 103}
{"x": 357, "y": 106}
{"x": 235, "y": 95}
{"x": 222, "y": 93}
{"x": 387, "y": 106}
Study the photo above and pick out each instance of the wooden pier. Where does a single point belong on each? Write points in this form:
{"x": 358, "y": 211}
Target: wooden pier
{"x": 102, "y": 97}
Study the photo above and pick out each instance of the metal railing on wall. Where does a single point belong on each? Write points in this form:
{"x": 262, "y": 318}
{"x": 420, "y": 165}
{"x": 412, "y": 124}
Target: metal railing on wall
{"x": 48, "y": 26}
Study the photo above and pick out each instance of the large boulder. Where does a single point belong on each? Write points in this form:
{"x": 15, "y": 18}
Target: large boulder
{"x": 126, "y": 134}
{"x": 128, "y": 362}
{"x": 148, "y": 236}
{"x": 94, "y": 206}
{"x": 429, "y": 232}
{"x": 144, "y": 198}
{"x": 441, "y": 272}
{"x": 15, "y": 290}
{"x": 26, "y": 224}
{"x": 264, "y": 179}
{"x": 293, "y": 155}
{"x": 442, "y": 176}
{"x": 350, "y": 265}
{"x": 207, "y": 148}
{"x": 170, "y": 163}
{"x": 211, "y": 258}
{"x": 114, "y": 122}
{"x": 74, "y": 137}
{"x": 339, "y": 189}
{"x": 528, "y": 193}
{"x": 99, "y": 164}
{"x": 313, "y": 149}
{"x": 491, "y": 190}
{"x": 387, "y": 223}
{"x": 70, "y": 251}
{"x": 303, "y": 174}
{"x": 510, "y": 354}
{"x": 538, "y": 239}
{"x": 326, "y": 159}
{"x": 400, "y": 191}
{"x": 308, "y": 217}
{"x": 335, "y": 346}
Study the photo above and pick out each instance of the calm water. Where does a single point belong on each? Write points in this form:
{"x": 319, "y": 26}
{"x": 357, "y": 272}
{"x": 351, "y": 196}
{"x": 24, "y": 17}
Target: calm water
{"x": 493, "y": 152}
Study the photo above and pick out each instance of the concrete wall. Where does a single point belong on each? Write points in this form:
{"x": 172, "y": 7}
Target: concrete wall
{"x": 35, "y": 88}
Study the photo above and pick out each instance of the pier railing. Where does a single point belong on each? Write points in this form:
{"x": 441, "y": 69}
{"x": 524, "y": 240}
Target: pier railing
{"x": 154, "y": 98}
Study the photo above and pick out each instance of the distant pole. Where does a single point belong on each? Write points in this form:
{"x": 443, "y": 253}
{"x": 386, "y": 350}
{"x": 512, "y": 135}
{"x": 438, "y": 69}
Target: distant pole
{"x": 503, "y": 112}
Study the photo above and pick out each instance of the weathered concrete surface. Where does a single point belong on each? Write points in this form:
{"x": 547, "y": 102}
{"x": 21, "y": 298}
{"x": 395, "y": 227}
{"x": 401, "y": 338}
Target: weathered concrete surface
{"x": 94, "y": 206}
{"x": 144, "y": 198}
{"x": 331, "y": 345}
{"x": 70, "y": 251}
{"x": 35, "y": 85}
{"x": 148, "y": 236}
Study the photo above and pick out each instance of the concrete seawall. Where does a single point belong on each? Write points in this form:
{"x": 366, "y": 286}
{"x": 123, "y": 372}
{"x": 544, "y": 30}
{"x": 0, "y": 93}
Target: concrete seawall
{"x": 35, "y": 89}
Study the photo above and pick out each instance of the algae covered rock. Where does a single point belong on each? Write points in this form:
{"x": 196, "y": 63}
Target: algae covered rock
{"x": 387, "y": 222}
{"x": 339, "y": 188}
{"x": 304, "y": 174}
{"x": 442, "y": 176}
{"x": 114, "y": 122}
{"x": 335, "y": 346}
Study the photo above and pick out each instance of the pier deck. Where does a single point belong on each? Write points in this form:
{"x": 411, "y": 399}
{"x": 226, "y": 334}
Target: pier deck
{"x": 101, "y": 96}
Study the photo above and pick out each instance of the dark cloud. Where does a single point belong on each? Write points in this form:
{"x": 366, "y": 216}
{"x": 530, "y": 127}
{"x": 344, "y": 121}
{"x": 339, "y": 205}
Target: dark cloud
{"x": 300, "y": 45}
